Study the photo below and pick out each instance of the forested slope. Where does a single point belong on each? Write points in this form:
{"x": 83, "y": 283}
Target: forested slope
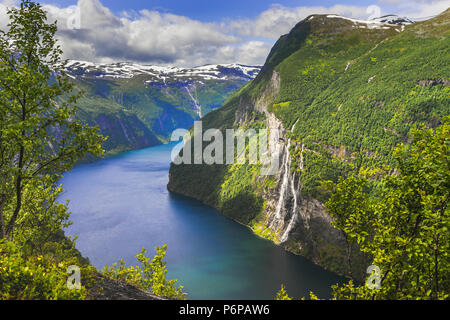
{"x": 344, "y": 93}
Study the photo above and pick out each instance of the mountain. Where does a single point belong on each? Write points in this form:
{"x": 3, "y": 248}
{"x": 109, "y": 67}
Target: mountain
{"x": 138, "y": 106}
{"x": 343, "y": 93}
{"x": 160, "y": 74}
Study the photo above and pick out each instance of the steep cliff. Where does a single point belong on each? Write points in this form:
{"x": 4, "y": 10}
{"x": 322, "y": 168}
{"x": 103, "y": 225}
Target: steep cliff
{"x": 342, "y": 93}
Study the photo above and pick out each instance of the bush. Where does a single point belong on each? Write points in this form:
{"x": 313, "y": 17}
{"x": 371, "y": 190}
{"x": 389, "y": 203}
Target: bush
{"x": 25, "y": 277}
{"x": 151, "y": 275}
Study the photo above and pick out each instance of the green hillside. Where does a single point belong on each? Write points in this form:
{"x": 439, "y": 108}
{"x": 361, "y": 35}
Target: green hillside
{"x": 347, "y": 93}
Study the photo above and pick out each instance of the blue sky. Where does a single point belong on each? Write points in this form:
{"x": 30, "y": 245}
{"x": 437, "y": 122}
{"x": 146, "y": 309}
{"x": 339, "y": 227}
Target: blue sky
{"x": 196, "y": 32}
{"x": 211, "y": 10}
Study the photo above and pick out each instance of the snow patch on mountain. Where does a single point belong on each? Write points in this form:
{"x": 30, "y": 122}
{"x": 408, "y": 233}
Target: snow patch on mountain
{"x": 394, "y": 19}
{"x": 161, "y": 74}
{"x": 385, "y": 22}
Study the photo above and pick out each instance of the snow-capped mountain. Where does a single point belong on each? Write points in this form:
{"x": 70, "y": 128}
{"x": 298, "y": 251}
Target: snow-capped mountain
{"x": 161, "y": 74}
{"x": 141, "y": 105}
{"x": 394, "y": 19}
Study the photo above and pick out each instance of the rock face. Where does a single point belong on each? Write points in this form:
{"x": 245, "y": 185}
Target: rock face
{"x": 109, "y": 289}
{"x": 293, "y": 216}
{"x": 300, "y": 223}
{"x": 434, "y": 82}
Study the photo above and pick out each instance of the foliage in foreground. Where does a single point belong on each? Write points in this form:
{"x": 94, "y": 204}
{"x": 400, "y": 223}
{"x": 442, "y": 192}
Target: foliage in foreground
{"x": 39, "y": 138}
{"x": 151, "y": 275}
{"x": 400, "y": 219}
{"x": 282, "y": 294}
{"x": 406, "y": 226}
{"x": 38, "y": 277}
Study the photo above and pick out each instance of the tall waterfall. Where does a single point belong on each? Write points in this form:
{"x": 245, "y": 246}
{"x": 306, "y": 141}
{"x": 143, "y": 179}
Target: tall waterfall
{"x": 284, "y": 184}
{"x": 294, "y": 212}
{"x": 197, "y": 105}
{"x": 288, "y": 186}
{"x": 295, "y": 194}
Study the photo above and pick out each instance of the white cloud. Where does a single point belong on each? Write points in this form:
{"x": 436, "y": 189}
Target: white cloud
{"x": 278, "y": 20}
{"x": 250, "y": 52}
{"x": 168, "y": 39}
{"x": 3, "y": 12}
{"x": 415, "y": 8}
{"x": 147, "y": 36}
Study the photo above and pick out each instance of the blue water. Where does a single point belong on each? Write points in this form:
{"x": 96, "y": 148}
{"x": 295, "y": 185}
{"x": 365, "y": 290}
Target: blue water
{"x": 121, "y": 204}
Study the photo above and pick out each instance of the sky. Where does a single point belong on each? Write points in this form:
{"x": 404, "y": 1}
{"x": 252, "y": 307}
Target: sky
{"x": 197, "y": 32}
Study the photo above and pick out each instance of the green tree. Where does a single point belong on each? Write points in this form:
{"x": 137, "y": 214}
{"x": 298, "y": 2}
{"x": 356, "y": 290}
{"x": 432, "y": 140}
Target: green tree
{"x": 151, "y": 275}
{"x": 282, "y": 294}
{"x": 37, "y": 277}
{"x": 401, "y": 220}
{"x": 39, "y": 135}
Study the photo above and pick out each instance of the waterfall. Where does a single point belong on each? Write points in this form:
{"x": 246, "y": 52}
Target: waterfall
{"x": 197, "y": 105}
{"x": 284, "y": 184}
{"x": 287, "y": 182}
{"x": 294, "y": 212}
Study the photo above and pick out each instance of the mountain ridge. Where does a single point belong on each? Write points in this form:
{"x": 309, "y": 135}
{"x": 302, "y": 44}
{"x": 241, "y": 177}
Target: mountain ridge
{"x": 130, "y": 69}
{"x": 139, "y": 106}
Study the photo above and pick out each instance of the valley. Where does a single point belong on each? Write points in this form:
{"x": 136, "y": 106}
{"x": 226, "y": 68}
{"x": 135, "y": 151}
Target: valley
{"x": 318, "y": 169}
{"x": 138, "y": 106}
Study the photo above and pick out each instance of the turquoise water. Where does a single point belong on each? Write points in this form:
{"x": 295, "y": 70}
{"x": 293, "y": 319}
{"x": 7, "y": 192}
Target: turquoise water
{"x": 121, "y": 204}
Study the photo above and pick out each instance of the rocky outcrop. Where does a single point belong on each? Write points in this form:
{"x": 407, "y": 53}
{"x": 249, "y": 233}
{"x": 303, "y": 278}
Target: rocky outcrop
{"x": 108, "y": 289}
{"x": 433, "y": 82}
